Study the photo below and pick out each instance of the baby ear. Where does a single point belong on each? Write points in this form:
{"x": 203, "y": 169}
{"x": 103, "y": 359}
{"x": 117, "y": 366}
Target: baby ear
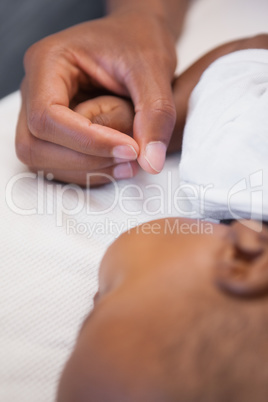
{"x": 245, "y": 272}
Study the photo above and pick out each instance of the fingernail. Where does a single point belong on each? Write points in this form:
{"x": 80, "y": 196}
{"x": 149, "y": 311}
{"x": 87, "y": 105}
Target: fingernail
{"x": 125, "y": 152}
{"x": 123, "y": 171}
{"x": 155, "y": 154}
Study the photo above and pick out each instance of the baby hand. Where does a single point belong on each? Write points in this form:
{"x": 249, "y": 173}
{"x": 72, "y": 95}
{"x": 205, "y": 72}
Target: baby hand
{"x": 117, "y": 114}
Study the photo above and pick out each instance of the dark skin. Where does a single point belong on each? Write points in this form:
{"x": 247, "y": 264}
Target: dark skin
{"x": 178, "y": 315}
{"x": 114, "y": 116}
{"x": 154, "y": 287}
{"x": 118, "y": 53}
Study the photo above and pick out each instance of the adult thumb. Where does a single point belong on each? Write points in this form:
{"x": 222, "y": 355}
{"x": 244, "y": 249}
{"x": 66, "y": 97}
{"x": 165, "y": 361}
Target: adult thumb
{"x": 155, "y": 116}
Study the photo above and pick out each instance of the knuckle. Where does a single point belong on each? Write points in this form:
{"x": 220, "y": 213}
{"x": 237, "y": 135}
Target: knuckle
{"x": 37, "y": 120}
{"x": 164, "y": 107}
{"x": 29, "y": 54}
{"x": 24, "y": 151}
{"x": 36, "y": 51}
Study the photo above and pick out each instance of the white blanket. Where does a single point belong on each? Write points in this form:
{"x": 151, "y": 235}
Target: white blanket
{"x": 52, "y": 239}
{"x": 48, "y": 275}
{"x": 224, "y": 165}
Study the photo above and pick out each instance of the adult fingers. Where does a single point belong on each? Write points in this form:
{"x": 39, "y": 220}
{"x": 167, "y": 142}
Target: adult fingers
{"x": 51, "y": 84}
{"x": 151, "y": 92}
{"x": 41, "y": 154}
{"x": 99, "y": 177}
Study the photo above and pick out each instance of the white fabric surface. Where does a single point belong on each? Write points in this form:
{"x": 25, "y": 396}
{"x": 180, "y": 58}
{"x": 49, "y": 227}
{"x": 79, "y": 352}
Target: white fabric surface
{"x": 47, "y": 276}
{"x": 225, "y": 139}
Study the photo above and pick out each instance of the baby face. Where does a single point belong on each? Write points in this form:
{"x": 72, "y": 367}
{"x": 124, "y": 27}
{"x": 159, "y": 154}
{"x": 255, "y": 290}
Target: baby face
{"x": 155, "y": 284}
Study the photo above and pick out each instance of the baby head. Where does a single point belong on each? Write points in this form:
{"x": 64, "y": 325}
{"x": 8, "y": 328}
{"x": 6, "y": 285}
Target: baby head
{"x": 179, "y": 316}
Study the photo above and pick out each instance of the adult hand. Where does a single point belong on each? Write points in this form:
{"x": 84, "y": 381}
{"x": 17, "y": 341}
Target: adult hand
{"x": 129, "y": 53}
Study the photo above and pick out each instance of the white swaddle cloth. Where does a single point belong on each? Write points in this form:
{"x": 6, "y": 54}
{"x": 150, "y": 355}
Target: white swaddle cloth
{"x": 224, "y": 162}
